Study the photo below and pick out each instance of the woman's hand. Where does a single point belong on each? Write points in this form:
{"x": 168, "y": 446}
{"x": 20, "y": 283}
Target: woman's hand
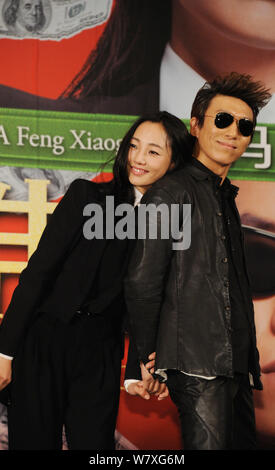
{"x": 137, "y": 388}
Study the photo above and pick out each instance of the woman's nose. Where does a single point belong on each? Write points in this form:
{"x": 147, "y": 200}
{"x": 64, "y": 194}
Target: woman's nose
{"x": 140, "y": 158}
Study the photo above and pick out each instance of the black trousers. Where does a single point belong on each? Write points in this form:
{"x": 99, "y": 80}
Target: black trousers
{"x": 66, "y": 374}
{"x": 214, "y": 414}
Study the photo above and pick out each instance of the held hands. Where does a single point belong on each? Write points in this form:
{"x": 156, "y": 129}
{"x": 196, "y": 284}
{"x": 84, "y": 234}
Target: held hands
{"x": 5, "y": 372}
{"x": 137, "y": 388}
{"x": 148, "y": 385}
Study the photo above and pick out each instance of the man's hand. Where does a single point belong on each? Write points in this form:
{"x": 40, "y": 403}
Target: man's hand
{"x": 5, "y": 372}
{"x": 154, "y": 387}
{"x": 150, "y": 366}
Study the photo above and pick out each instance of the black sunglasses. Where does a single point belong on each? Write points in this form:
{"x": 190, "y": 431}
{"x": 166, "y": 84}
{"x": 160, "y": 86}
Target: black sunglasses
{"x": 260, "y": 256}
{"x": 223, "y": 120}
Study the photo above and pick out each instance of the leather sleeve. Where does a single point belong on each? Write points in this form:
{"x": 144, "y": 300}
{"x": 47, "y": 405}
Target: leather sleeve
{"x": 145, "y": 280}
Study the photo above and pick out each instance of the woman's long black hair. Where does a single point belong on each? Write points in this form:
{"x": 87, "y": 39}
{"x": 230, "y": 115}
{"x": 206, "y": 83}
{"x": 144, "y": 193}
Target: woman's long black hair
{"x": 129, "y": 51}
{"x": 178, "y": 138}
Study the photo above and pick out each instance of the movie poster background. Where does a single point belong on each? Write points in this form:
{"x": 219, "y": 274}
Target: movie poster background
{"x": 54, "y": 131}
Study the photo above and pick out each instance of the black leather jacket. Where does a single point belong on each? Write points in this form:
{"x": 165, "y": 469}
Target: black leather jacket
{"x": 178, "y": 301}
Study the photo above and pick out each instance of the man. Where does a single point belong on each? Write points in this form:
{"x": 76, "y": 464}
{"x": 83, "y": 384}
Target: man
{"x": 25, "y": 15}
{"x": 194, "y": 307}
{"x": 258, "y": 218}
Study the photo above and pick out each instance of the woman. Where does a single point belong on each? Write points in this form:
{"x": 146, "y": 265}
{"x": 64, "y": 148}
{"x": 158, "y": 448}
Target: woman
{"x": 149, "y": 49}
{"x": 64, "y": 323}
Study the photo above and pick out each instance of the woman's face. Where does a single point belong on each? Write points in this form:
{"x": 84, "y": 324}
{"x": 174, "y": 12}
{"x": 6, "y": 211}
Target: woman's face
{"x": 149, "y": 156}
{"x": 248, "y": 21}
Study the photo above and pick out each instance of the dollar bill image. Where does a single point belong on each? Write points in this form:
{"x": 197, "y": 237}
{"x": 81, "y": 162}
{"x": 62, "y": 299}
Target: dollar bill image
{"x": 50, "y": 19}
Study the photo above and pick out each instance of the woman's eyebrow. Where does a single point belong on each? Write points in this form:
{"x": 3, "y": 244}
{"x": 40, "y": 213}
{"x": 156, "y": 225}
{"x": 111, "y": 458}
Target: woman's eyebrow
{"x": 149, "y": 143}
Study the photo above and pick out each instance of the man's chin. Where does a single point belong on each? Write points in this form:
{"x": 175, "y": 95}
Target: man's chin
{"x": 264, "y": 412}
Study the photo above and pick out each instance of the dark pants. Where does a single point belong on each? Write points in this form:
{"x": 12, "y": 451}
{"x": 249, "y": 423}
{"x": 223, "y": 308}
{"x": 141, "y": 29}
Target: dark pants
{"x": 66, "y": 374}
{"x": 215, "y": 414}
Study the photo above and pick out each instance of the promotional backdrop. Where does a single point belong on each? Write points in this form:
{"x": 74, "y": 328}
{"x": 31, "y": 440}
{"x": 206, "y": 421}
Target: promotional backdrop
{"x": 74, "y": 74}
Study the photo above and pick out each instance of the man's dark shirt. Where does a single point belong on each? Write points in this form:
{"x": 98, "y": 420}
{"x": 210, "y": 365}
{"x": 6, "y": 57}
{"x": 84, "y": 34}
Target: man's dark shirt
{"x": 236, "y": 270}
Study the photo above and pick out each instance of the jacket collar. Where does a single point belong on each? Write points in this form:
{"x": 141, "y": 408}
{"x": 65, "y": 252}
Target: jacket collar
{"x": 201, "y": 172}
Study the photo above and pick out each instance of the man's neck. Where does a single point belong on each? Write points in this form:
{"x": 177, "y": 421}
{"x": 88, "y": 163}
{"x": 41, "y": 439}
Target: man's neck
{"x": 220, "y": 171}
{"x": 205, "y": 52}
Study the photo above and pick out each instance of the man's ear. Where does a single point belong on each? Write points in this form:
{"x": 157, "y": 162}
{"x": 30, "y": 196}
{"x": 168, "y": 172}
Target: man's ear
{"x": 194, "y": 126}
{"x": 171, "y": 166}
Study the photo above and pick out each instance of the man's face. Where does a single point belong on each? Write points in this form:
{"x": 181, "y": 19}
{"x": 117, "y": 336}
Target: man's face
{"x": 256, "y": 206}
{"x": 29, "y": 13}
{"x": 219, "y": 148}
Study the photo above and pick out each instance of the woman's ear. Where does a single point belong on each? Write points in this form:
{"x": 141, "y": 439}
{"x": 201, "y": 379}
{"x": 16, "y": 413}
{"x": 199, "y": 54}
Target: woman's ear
{"x": 194, "y": 126}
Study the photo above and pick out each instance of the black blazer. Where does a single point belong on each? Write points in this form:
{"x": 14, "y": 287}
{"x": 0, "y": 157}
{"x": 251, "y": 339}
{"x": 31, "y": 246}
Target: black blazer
{"x": 132, "y": 370}
{"x": 60, "y": 273}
